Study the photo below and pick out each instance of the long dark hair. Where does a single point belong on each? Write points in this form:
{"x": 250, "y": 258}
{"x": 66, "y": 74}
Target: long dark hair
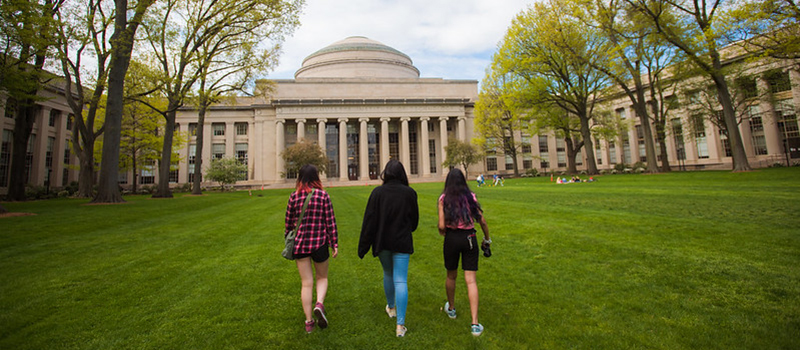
{"x": 459, "y": 204}
{"x": 308, "y": 178}
{"x": 394, "y": 170}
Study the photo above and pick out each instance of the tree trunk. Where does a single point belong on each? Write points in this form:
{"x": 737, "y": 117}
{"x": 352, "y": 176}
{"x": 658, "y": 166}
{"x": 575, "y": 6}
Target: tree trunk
{"x": 586, "y": 134}
{"x": 571, "y": 152}
{"x": 738, "y": 153}
{"x": 163, "y": 190}
{"x": 121, "y": 48}
{"x": 23, "y": 126}
{"x": 86, "y": 175}
{"x": 198, "y": 154}
{"x": 640, "y": 106}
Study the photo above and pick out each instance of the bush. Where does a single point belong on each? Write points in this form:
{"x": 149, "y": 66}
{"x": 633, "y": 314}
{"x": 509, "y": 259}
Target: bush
{"x": 639, "y": 165}
{"x": 776, "y": 165}
{"x": 532, "y": 172}
{"x": 620, "y": 167}
{"x": 63, "y": 194}
{"x": 72, "y": 188}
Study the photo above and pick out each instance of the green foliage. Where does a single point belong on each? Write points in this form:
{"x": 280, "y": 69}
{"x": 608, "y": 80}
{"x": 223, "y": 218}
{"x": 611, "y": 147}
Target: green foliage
{"x": 302, "y": 153}
{"x": 461, "y": 153}
{"x": 684, "y": 260}
{"x": 225, "y": 170}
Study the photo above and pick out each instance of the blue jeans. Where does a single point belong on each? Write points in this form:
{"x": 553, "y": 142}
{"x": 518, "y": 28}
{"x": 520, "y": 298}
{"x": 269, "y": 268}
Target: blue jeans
{"x": 395, "y": 281}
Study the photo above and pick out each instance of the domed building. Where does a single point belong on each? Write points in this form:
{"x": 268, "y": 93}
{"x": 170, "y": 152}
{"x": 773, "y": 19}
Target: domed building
{"x": 362, "y": 101}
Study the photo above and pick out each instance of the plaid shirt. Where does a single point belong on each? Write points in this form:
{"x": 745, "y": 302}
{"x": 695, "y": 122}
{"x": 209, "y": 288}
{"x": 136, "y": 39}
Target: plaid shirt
{"x": 319, "y": 223}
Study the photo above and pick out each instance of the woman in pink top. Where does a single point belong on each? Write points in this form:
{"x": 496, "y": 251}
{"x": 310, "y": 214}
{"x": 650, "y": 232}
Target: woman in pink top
{"x": 458, "y": 211}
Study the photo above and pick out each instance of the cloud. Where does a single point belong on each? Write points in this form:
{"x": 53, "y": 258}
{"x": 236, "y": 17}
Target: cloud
{"x": 451, "y": 39}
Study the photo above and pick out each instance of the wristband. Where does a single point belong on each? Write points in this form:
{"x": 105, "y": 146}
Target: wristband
{"x": 487, "y": 241}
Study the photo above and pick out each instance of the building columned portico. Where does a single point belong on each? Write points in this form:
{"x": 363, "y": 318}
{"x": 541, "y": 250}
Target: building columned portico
{"x": 361, "y": 101}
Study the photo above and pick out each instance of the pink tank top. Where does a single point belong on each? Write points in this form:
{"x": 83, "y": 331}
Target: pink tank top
{"x": 461, "y": 225}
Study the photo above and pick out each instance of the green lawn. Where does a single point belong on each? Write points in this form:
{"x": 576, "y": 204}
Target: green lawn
{"x": 698, "y": 260}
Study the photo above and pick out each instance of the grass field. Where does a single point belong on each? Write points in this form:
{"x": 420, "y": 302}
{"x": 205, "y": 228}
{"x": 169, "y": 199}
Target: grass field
{"x": 696, "y": 260}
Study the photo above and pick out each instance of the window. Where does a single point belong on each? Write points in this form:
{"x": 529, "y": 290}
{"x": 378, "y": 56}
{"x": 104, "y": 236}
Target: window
{"x": 509, "y": 162}
{"x": 726, "y": 144}
{"x": 778, "y": 81}
{"x": 69, "y": 121}
{"x": 526, "y": 144}
{"x": 432, "y": 155}
{"x": 48, "y": 159}
{"x": 241, "y": 129}
{"x": 757, "y": 130}
{"x": 29, "y": 159}
{"x": 491, "y": 163}
{"x": 122, "y": 178}
{"x": 640, "y": 141}
{"x": 65, "y": 173}
{"x": 698, "y": 124}
{"x": 746, "y": 87}
{"x": 612, "y": 153}
{"x": 598, "y": 154}
{"x": 241, "y": 156}
{"x": 11, "y": 108}
{"x": 217, "y": 150}
{"x": 621, "y": 113}
{"x": 542, "y": 144}
{"x": 218, "y": 129}
{"x": 561, "y": 153}
{"x": 53, "y": 117}
{"x": 173, "y": 173}
{"x": 5, "y": 157}
{"x": 192, "y": 129}
{"x": 787, "y": 120}
{"x": 191, "y": 161}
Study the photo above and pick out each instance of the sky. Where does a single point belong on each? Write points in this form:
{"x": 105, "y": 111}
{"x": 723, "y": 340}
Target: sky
{"x": 450, "y": 39}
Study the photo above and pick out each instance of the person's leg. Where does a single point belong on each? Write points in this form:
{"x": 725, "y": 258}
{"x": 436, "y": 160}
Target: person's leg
{"x": 450, "y": 287}
{"x": 322, "y": 280}
{"x": 472, "y": 293}
{"x": 306, "y": 285}
{"x": 400, "y": 274}
{"x": 387, "y": 264}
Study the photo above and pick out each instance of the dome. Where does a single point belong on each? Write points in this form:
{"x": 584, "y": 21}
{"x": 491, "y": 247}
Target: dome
{"x": 357, "y": 57}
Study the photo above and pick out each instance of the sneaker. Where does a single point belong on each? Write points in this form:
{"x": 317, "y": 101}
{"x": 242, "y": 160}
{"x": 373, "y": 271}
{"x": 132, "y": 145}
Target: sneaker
{"x": 477, "y": 329}
{"x": 319, "y": 312}
{"x": 401, "y": 332}
{"x": 392, "y": 312}
{"x": 309, "y": 326}
{"x": 450, "y": 313}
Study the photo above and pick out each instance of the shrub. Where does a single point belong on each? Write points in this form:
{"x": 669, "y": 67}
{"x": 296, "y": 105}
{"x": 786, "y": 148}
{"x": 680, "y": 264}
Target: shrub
{"x": 532, "y": 172}
{"x": 620, "y": 167}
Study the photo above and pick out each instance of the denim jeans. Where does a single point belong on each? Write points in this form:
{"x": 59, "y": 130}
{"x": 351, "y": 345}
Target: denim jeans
{"x": 395, "y": 281}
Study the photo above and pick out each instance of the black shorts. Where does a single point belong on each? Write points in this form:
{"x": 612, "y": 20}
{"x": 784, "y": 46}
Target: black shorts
{"x": 461, "y": 244}
{"x": 320, "y": 255}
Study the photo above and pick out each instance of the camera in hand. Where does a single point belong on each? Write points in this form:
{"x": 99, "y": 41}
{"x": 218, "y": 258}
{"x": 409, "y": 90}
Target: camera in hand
{"x": 487, "y": 250}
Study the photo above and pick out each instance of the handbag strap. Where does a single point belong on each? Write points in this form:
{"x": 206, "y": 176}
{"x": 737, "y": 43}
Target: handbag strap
{"x": 303, "y": 211}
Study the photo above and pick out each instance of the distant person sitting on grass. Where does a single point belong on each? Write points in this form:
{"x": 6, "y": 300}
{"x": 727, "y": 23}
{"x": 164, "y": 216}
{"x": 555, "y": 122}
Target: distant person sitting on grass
{"x": 458, "y": 211}
{"x": 315, "y": 235}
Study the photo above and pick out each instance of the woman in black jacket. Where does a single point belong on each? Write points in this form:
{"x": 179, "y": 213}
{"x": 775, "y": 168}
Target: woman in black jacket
{"x": 392, "y": 214}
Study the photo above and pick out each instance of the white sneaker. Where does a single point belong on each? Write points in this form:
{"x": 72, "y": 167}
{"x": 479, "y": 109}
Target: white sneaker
{"x": 477, "y": 329}
{"x": 450, "y": 313}
{"x": 392, "y": 312}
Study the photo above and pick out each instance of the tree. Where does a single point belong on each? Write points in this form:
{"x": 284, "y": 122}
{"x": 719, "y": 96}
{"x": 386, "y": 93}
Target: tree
{"x": 225, "y": 170}
{"x": 635, "y": 50}
{"x": 768, "y": 28}
{"x": 535, "y": 48}
{"x": 500, "y": 113}
{"x": 179, "y": 31}
{"x": 229, "y": 62}
{"x": 302, "y": 153}
{"x": 461, "y": 153}
{"x": 27, "y": 33}
{"x": 121, "y": 48}
{"x": 83, "y": 34}
{"x": 695, "y": 28}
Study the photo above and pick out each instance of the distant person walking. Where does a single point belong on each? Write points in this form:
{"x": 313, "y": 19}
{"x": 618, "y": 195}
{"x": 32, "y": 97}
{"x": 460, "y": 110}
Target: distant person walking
{"x": 316, "y": 234}
{"x": 392, "y": 214}
{"x": 458, "y": 211}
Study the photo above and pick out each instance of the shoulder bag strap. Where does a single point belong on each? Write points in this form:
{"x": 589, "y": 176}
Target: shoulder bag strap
{"x": 302, "y": 211}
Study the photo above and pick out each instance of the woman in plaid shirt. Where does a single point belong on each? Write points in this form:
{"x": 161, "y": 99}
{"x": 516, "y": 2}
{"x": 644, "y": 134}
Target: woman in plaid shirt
{"x": 317, "y": 233}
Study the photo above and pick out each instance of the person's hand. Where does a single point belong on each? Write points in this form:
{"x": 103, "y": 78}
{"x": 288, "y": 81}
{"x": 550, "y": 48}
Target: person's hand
{"x": 335, "y": 251}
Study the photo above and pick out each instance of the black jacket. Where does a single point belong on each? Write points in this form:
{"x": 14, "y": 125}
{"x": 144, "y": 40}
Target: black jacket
{"x": 392, "y": 214}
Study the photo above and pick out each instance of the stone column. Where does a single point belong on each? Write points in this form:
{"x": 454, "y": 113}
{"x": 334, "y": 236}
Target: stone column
{"x": 251, "y": 151}
{"x": 443, "y": 140}
{"x": 321, "y": 133}
{"x": 405, "y": 148}
{"x": 183, "y": 165}
{"x": 772, "y": 134}
{"x": 301, "y": 129}
{"x": 384, "y": 141}
{"x": 279, "y": 145}
{"x": 258, "y": 154}
{"x": 363, "y": 150}
{"x": 230, "y": 149}
{"x": 343, "y": 149}
{"x": 58, "y": 150}
{"x": 207, "y": 142}
{"x": 39, "y": 168}
{"x": 426, "y": 156}
{"x": 462, "y": 130}
{"x": 794, "y": 77}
